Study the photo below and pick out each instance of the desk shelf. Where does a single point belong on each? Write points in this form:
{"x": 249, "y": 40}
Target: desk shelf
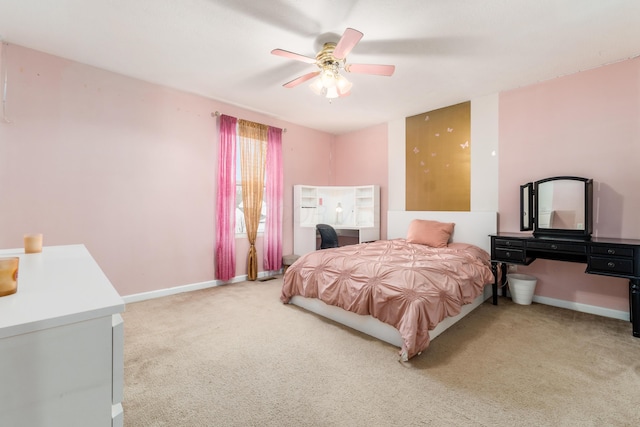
{"x": 360, "y": 216}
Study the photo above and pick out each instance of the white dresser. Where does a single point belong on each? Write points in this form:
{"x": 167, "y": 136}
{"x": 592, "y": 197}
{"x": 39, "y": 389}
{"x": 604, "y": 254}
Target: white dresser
{"x": 61, "y": 343}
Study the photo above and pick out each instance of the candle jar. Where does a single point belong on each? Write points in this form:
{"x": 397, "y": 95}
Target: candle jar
{"x": 8, "y": 275}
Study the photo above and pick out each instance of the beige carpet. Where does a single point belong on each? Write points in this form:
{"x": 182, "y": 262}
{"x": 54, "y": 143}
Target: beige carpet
{"x": 235, "y": 356}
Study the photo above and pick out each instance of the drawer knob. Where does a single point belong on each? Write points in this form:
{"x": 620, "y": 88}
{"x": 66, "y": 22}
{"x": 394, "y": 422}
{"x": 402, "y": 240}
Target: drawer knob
{"x": 611, "y": 264}
{"x": 507, "y": 243}
{"x": 611, "y": 251}
{"x": 508, "y": 254}
{"x": 554, "y": 247}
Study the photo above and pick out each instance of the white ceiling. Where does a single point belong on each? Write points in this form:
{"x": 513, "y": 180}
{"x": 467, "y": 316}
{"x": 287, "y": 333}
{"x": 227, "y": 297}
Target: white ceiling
{"x": 445, "y": 51}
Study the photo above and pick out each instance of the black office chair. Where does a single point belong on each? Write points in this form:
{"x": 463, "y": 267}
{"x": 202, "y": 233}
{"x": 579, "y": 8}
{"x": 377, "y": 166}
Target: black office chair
{"x": 328, "y": 236}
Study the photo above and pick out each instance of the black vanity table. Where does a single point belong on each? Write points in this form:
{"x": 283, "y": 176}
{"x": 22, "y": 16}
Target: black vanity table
{"x": 605, "y": 256}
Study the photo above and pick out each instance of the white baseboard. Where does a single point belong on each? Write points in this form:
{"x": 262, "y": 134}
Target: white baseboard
{"x": 583, "y": 308}
{"x": 192, "y": 287}
{"x": 576, "y": 306}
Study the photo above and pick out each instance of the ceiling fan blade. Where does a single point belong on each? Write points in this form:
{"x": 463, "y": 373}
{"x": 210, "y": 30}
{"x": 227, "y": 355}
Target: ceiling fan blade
{"x": 296, "y": 56}
{"x": 301, "y": 79}
{"x": 349, "y": 39}
{"x": 380, "y": 70}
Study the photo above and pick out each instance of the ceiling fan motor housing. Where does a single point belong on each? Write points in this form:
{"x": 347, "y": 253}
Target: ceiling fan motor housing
{"x": 326, "y": 61}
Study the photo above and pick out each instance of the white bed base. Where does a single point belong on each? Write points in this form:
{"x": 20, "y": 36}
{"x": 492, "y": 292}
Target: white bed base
{"x": 471, "y": 227}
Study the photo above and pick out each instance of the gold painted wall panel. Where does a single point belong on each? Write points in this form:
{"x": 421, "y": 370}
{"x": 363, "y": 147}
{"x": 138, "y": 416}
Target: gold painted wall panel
{"x": 438, "y": 160}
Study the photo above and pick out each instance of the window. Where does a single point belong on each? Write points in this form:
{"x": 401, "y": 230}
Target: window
{"x": 260, "y": 150}
{"x": 240, "y": 224}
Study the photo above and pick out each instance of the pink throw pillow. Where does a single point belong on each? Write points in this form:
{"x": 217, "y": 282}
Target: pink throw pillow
{"x": 431, "y": 233}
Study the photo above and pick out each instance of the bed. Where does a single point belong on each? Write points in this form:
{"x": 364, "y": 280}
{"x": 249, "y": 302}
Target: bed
{"x": 371, "y": 295}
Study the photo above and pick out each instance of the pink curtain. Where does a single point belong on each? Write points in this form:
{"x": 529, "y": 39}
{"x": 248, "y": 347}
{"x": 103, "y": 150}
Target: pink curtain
{"x": 273, "y": 197}
{"x": 226, "y": 202}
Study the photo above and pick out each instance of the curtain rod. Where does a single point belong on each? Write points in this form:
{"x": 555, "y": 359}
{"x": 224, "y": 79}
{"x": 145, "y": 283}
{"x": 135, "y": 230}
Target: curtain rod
{"x": 218, "y": 113}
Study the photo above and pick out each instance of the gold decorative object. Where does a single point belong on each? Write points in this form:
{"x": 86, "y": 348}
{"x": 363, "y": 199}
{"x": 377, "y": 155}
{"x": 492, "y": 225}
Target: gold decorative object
{"x": 9, "y": 275}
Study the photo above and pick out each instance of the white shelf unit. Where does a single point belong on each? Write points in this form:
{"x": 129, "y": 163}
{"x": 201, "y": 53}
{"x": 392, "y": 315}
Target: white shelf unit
{"x": 360, "y": 215}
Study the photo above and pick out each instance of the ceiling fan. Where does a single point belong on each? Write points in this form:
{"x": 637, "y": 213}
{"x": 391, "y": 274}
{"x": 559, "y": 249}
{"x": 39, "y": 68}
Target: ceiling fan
{"x": 330, "y": 60}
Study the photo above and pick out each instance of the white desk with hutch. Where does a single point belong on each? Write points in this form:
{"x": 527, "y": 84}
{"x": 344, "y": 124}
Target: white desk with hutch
{"x": 354, "y": 211}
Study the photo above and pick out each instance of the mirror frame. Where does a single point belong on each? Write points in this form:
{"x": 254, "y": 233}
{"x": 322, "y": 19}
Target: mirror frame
{"x": 588, "y": 210}
{"x": 526, "y": 207}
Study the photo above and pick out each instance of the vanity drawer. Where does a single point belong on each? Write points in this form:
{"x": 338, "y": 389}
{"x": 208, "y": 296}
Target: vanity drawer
{"x": 509, "y": 255}
{"x": 612, "y": 251}
{"x": 610, "y": 265}
{"x": 574, "y": 248}
{"x": 508, "y": 243}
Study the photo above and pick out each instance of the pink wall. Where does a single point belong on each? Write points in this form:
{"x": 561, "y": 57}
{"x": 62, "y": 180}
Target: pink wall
{"x": 586, "y": 124}
{"x": 127, "y": 168}
{"x": 361, "y": 158}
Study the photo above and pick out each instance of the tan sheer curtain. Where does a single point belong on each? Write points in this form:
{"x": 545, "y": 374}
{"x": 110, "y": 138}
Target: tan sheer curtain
{"x": 253, "y": 157}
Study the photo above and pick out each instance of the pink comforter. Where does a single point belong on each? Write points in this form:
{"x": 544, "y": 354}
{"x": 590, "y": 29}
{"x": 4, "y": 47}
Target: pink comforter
{"x": 409, "y": 286}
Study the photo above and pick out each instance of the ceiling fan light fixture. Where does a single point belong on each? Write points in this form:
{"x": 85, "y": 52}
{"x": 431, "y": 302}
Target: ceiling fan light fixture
{"x": 343, "y": 84}
{"x": 317, "y": 87}
{"x": 331, "y": 85}
{"x": 331, "y": 93}
{"x": 328, "y": 78}
{"x": 327, "y": 92}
